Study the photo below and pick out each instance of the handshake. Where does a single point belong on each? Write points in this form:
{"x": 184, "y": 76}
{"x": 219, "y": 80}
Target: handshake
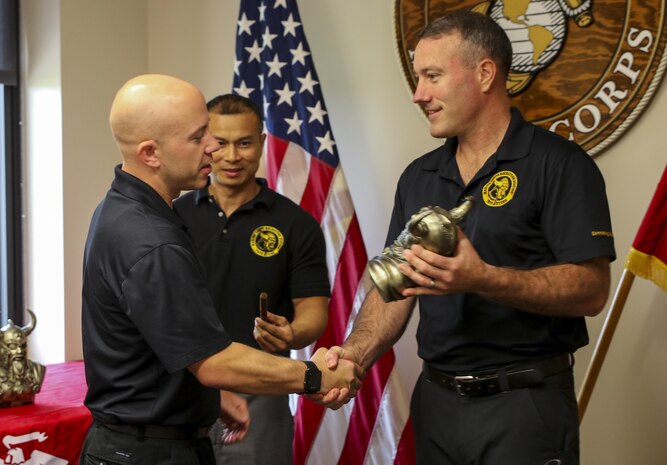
{"x": 341, "y": 377}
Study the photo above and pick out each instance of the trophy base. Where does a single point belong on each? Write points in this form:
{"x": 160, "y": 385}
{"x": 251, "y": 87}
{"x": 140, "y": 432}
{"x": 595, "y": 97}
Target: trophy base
{"x": 388, "y": 280}
{"x": 17, "y": 400}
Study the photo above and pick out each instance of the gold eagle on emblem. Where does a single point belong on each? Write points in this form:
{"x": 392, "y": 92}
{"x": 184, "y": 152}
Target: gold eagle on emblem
{"x": 537, "y": 30}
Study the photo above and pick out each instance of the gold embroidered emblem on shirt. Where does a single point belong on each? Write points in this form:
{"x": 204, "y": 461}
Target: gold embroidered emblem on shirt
{"x": 500, "y": 189}
{"x": 266, "y": 241}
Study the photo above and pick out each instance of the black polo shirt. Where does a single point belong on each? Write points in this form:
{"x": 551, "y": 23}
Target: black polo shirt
{"x": 540, "y": 201}
{"x": 147, "y": 314}
{"x": 270, "y": 244}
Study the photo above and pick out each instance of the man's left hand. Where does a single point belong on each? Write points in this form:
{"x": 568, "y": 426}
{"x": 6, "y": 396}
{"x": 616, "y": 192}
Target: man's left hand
{"x": 436, "y": 274}
{"x": 275, "y": 334}
{"x": 234, "y": 416}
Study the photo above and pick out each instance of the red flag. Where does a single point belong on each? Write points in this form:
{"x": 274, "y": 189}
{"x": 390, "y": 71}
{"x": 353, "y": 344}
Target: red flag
{"x": 274, "y": 67}
{"x": 648, "y": 254}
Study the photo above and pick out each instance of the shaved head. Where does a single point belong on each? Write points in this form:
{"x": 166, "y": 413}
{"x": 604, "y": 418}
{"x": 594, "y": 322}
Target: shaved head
{"x": 148, "y": 107}
{"x": 160, "y": 124}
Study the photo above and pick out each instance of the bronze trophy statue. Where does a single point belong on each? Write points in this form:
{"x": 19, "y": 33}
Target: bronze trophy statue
{"x": 20, "y": 378}
{"x": 433, "y": 228}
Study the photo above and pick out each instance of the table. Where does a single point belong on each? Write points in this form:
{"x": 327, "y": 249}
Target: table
{"x": 52, "y": 429}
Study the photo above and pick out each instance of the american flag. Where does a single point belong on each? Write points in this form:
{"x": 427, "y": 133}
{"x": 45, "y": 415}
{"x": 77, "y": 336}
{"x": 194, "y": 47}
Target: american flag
{"x": 274, "y": 67}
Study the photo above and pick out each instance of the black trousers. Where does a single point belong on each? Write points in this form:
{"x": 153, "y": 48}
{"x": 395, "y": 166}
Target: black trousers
{"x": 531, "y": 426}
{"x": 105, "y": 447}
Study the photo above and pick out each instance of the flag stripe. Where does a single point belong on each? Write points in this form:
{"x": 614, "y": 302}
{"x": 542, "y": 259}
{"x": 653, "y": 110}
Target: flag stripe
{"x": 345, "y": 284}
{"x": 365, "y": 411}
{"x": 330, "y": 439}
{"x": 327, "y": 445}
{"x": 277, "y": 148}
{"x": 317, "y": 189}
{"x": 293, "y": 175}
{"x": 274, "y": 68}
{"x": 336, "y": 220}
{"x": 390, "y": 424}
{"x": 406, "y": 448}
{"x": 306, "y": 426}
{"x": 352, "y": 260}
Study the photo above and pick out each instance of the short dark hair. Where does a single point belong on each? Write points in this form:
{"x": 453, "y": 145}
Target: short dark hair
{"x": 481, "y": 35}
{"x": 233, "y": 104}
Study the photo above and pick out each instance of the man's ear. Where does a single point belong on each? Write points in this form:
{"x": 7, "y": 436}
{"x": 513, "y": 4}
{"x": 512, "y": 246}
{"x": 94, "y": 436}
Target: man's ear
{"x": 148, "y": 153}
{"x": 487, "y": 73}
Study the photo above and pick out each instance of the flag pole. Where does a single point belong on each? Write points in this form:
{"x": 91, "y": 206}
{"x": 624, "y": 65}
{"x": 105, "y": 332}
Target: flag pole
{"x": 604, "y": 340}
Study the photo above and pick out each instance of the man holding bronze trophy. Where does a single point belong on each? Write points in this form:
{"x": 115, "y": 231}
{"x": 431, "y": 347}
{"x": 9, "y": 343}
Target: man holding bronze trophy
{"x": 264, "y": 258}
{"x": 502, "y": 312}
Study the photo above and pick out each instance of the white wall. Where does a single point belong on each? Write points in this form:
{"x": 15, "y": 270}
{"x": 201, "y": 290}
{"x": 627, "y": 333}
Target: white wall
{"x": 76, "y": 55}
{"x": 103, "y": 43}
{"x": 378, "y": 130}
{"x": 44, "y": 178}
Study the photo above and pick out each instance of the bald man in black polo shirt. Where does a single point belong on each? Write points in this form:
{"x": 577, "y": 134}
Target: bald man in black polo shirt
{"x": 155, "y": 352}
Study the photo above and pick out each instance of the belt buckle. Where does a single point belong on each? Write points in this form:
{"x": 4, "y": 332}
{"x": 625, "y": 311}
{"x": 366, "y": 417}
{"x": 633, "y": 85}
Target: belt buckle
{"x": 458, "y": 380}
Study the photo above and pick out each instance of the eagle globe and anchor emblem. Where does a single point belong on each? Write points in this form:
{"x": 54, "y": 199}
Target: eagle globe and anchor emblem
{"x": 537, "y": 30}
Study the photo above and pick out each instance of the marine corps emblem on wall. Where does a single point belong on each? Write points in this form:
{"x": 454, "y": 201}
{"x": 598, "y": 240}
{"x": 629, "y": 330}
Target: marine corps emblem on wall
{"x": 585, "y": 69}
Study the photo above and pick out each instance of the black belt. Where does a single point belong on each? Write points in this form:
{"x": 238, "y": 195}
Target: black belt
{"x": 158, "y": 431}
{"x": 485, "y": 383}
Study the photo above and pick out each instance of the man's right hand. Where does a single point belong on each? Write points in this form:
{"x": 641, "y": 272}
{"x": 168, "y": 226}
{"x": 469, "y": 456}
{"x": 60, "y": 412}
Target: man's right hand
{"x": 336, "y": 353}
{"x": 340, "y": 382}
{"x": 337, "y": 363}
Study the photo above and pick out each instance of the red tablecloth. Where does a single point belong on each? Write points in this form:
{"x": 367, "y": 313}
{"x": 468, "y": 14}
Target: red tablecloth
{"x": 50, "y": 431}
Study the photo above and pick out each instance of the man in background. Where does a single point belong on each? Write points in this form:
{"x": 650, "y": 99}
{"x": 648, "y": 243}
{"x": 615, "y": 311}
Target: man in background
{"x": 254, "y": 242}
{"x": 156, "y": 354}
{"x": 500, "y": 319}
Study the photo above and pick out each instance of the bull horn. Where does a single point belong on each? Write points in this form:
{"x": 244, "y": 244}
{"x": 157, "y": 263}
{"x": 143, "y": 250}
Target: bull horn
{"x": 27, "y": 329}
{"x": 459, "y": 212}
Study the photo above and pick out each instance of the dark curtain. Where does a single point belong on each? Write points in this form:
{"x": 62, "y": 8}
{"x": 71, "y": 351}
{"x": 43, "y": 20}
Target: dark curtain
{"x": 9, "y": 38}
{"x": 12, "y": 253}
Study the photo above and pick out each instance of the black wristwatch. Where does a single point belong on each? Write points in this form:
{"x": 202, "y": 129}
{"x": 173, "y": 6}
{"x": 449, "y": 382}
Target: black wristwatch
{"x": 312, "y": 381}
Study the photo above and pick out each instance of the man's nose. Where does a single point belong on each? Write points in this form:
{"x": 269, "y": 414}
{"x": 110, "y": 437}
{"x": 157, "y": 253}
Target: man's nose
{"x": 420, "y": 95}
{"x": 231, "y": 153}
{"x": 417, "y": 97}
{"x": 212, "y": 144}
